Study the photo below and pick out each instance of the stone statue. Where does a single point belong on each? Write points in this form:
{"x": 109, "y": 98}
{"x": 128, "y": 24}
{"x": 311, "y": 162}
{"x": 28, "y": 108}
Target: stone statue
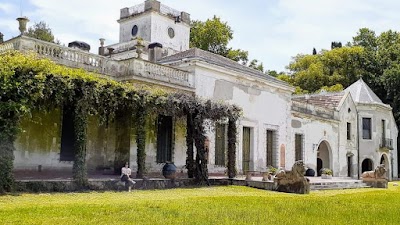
{"x": 376, "y": 178}
{"x": 293, "y": 181}
{"x": 297, "y": 171}
{"x": 378, "y": 173}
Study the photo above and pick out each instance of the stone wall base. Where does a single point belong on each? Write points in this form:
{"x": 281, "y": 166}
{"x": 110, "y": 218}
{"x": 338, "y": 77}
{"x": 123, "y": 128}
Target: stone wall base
{"x": 376, "y": 183}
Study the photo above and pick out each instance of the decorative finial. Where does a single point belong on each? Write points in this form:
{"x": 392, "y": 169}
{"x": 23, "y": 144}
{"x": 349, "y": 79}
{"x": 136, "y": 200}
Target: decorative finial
{"x": 102, "y": 42}
{"x": 139, "y": 47}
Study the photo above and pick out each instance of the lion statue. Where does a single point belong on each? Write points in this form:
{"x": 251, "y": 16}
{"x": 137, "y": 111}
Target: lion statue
{"x": 293, "y": 181}
{"x": 297, "y": 171}
{"x": 378, "y": 173}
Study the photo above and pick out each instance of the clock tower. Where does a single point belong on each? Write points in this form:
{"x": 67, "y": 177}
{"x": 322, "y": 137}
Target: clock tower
{"x": 155, "y": 22}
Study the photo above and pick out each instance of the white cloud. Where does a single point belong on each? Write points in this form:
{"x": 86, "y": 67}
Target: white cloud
{"x": 7, "y": 7}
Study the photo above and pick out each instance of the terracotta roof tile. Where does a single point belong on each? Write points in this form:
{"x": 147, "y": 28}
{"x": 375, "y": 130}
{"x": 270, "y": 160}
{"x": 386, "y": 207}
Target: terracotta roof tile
{"x": 328, "y": 100}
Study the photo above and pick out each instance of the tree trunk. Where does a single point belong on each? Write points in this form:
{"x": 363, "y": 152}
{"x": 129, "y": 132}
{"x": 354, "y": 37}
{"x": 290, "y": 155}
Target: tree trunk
{"x": 80, "y": 126}
{"x": 141, "y": 142}
{"x": 189, "y": 143}
{"x": 201, "y": 173}
{"x": 232, "y": 148}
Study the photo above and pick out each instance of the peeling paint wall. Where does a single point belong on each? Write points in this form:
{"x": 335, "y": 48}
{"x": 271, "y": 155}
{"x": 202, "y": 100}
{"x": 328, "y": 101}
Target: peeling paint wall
{"x": 39, "y": 142}
{"x": 101, "y": 143}
{"x": 316, "y": 131}
{"x": 264, "y": 107}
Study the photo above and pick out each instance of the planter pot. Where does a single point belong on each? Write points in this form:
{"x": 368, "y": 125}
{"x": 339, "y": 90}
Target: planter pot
{"x": 169, "y": 171}
{"x": 325, "y": 176}
{"x": 310, "y": 173}
{"x": 265, "y": 176}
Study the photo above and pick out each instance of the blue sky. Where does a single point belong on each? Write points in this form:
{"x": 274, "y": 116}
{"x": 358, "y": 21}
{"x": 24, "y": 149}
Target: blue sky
{"x": 273, "y": 31}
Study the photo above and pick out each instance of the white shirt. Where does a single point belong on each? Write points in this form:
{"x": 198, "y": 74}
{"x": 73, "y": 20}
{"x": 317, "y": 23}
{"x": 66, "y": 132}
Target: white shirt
{"x": 126, "y": 171}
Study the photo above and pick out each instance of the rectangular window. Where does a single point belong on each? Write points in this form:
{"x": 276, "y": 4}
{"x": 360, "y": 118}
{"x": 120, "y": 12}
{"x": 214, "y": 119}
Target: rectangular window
{"x": 298, "y": 146}
{"x": 246, "y": 148}
{"x": 220, "y": 144}
{"x": 270, "y": 148}
{"x": 348, "y": 131}
{"x": 366, "y": 125}
{"x": 67, "y": 135}
{"x": 164, "y": 139}
{"x": 383, "y": 129}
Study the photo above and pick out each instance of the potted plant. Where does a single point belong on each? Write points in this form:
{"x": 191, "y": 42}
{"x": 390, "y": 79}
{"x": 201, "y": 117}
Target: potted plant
{"x": 270, "y": 173}
{"x": 326, "y": 173}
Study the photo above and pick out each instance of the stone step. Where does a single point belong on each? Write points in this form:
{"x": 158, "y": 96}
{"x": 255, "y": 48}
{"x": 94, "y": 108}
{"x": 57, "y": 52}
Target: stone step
{"x": 337, "y": 185}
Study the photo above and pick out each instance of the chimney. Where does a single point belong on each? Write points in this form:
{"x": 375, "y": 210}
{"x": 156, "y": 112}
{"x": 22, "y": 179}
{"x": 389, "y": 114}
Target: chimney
{"x": 101, "y": 48}
{"x": 155, "y": 51}
{"x": 185, "y": 17}
{"x": 1, "y": 37}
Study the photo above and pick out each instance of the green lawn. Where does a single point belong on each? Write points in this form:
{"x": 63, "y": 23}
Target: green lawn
{"x": 215, "y": 205}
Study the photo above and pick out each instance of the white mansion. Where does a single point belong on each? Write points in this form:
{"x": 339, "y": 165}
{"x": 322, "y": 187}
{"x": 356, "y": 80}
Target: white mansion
{"x": 349, "y": 132}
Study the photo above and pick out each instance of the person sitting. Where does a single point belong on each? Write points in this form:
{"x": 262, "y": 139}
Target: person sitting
{"x": 126, "y": 176}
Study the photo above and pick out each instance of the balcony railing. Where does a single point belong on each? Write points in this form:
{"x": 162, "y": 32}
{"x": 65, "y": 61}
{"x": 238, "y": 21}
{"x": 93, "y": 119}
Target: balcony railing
{"x": 386, "y": 143}
{"x": 122, "y": 70}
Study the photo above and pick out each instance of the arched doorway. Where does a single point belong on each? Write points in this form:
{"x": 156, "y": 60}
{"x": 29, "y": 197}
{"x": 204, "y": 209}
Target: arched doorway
{"x": 323, "y": 157}
{"x": 367, "y": 165}
{"x": 385, "y": 161}
{"x": 319, "y": 166}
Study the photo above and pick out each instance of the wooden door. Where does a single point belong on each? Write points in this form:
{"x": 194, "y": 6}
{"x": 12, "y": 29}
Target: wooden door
{"x": 246, "y": 149}
{"x": 270, "y": 153}
{"x": 220, "y": 140}
{"x": 164, "y": 139}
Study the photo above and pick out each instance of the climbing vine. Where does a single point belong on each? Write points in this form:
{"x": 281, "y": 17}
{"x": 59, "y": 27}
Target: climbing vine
{"x": 190, "y": 166}
{"x": 232, "y": 148}
{"x": 28, "y": 83}
{"x": 141, "y": 141}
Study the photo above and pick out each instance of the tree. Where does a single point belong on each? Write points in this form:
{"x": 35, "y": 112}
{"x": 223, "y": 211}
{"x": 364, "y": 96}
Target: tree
{"x": 212, "y": 35}
{"x": 374, "y": 58}
{"x": 335, "y": 44}
{"x": 42, "y": 32}
{"x": 256, "y": 65}
{"x": 311, "y": 73}
{"x": 238, "y": 55}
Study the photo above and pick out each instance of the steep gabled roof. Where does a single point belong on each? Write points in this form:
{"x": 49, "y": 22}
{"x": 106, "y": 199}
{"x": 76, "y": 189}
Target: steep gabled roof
{"x": 362, "y": 93}
{"x": 326, "y": 100}
{"x": 209, "y": 57}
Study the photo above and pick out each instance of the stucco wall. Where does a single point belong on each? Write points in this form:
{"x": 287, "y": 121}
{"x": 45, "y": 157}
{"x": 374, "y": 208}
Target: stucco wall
{"x": 153, "y": 27}
{"x": 348, "y": 148}
{"x": 178, "y": 142}
{"x": 315, "y": 131}
{"x": 39, "y": 142}
{"x": 370, "y": 148}
{"x": 264, "y": 107}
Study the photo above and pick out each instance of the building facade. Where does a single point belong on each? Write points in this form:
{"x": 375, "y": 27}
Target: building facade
{"x": 349, "y": 132}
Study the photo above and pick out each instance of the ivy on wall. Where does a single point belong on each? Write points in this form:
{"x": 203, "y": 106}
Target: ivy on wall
{"x": 141, "y": 141}
{"x": 28, "y": 82}
{"x": 232, "y": 133}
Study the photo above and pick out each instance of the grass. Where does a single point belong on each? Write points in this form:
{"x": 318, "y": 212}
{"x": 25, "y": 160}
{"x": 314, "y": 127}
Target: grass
{"x": 215, "y": 205}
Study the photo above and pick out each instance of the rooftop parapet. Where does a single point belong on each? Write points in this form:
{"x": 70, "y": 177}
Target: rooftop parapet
{"x": 120, "y": 70}
{"x": 155, "y": 6}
